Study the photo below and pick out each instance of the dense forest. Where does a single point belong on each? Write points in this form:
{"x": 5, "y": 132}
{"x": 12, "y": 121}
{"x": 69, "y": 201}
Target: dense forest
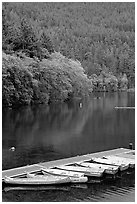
{"x": 56, "y": 51}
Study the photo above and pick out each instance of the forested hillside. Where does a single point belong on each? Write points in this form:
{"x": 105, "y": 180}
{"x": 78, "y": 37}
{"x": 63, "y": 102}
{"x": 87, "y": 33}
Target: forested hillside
{"x": 101, "y": 36}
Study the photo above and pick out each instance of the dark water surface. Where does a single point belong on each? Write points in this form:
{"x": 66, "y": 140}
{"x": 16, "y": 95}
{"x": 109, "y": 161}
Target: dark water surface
{"x": 44, "y": 133}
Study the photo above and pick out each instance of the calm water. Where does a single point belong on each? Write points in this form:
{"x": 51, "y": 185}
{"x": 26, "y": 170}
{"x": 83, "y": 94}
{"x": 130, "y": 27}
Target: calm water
{"x": 43, "y": 133}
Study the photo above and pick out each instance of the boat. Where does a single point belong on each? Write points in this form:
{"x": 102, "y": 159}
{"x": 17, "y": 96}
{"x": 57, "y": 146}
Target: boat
{"x": 108, "y": 169}
{"x": 90, "y": 172}
{"x": 37, "y": 180}
{"x": 128, "y": 161}
{"x": 61, "y": 172}
{"x": 75, "y": 177}
{"x": 104, "y": 160}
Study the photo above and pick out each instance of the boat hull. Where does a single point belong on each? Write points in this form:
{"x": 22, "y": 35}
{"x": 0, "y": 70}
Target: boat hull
{"x": 87, "y": 171}
{"x": 37, "y": 180}
{"x": 108, "y": 169}
{"x": 122, "y": 160}
{"x": 129, "y": 160}
{"x": 121, "y": 166}
{"x": 74, "y": 177}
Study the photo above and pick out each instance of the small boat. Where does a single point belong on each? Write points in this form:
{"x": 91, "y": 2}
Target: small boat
{"x": 90, "y": 172}
{"x": 104, "y": 160}
{"x": 61, "y": 172}
{"x": 75, "y": 177}
{"x": 108, "y": 169}
{"x": 128, "y": 161}
{"x": 37, "y": 180}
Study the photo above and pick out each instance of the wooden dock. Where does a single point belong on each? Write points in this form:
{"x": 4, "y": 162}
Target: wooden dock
{"x": 124, "y": 107}
{"x": 37, "y": 167}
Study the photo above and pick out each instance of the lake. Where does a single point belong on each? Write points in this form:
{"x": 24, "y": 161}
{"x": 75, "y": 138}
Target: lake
{"x": 43, "y": 133}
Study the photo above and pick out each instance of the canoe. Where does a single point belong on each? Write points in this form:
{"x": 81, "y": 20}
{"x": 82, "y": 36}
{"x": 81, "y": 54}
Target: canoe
{"x": 90, "y": 172}
{"x": 37, "y": 180}
{"x": 61, "y": 172}
{"x": 128, "y": 161}
{"x": 75, "y": 177}
{"x": 108, "y": 169}
{"x": 121, "y": 166}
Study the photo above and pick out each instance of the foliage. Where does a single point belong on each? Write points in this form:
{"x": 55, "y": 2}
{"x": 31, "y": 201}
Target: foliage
{"x": 98, "y": 34}
{"x": 123, "y": 82}
{"x": 27, "y": 81}
{"x": 104, "y": 82}
{"x": 20, "y": 35}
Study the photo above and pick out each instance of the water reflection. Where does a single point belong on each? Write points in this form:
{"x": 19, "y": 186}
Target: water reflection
{"x": 43, "y": 133}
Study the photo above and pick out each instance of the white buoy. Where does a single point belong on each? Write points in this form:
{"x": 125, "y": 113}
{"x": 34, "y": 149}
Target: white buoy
{"x": 80, "y": 105}
{"x": 12, "y": 149}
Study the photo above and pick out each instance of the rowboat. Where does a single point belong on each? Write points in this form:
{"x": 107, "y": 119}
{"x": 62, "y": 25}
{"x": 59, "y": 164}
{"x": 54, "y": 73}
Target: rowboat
{"x": 108, "y": 169}
{"x": 103, "y": 160}
{"x": 131, "y": 162}
{"x": 75, "y": 177}
{"x": 59, "y": 172}
{"x": 37, "y": 180}
{"x": 90, "y": 172}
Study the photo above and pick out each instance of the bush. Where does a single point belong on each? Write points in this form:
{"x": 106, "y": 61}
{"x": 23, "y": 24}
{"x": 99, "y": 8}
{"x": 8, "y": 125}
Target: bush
{"x": 122, "y": 82}
{"x": 27, "y": 81}
{"x": 16, "y": 80}
{"x": 104, "y": 82}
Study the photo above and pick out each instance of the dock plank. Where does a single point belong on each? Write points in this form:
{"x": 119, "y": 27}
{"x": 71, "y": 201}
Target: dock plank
{"x": 124, "y": 107}
{"x": 128, "y": 156}
{"x": 36, "y": 167}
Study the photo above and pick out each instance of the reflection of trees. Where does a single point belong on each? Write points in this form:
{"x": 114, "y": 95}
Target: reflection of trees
{"x": 108, "y": 101}
{"x": 40, "y": 131}
{"x": 68, "y": 130}
{"x": 44, "y": 123}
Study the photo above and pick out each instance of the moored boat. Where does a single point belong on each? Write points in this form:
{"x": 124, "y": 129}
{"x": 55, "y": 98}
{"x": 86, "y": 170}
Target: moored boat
{"x": 61, "y": 172}
{"x": 108, "y": 169}
{"x": 75, "y": 177}
{"x": 37, "y": 180}
{"x": 121, "y": 166}
{"x": 90, "y": 172}
{"x": 131, "y": 162}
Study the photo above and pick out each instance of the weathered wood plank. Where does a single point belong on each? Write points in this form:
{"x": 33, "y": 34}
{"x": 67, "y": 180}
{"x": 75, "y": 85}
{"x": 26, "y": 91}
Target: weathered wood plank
{"x": 124, "y": 107}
